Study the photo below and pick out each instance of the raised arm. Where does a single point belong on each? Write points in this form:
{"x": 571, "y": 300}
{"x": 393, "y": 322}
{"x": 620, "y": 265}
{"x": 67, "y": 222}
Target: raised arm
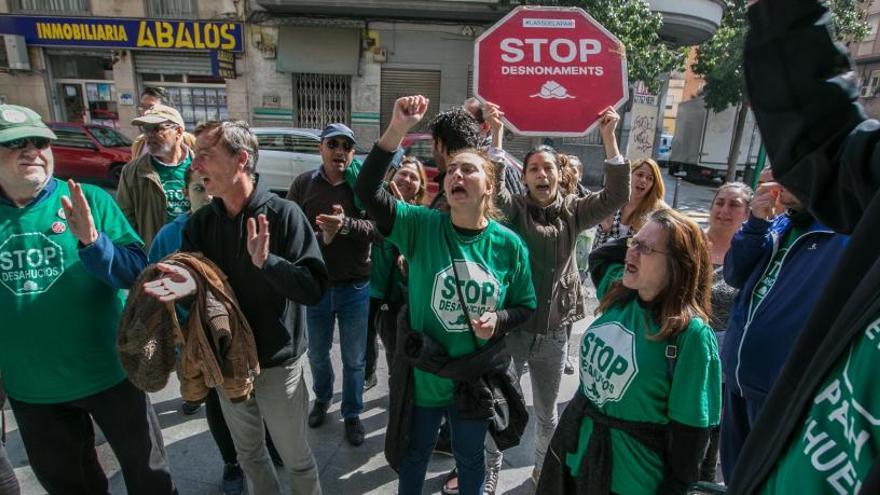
{"x": 803, "y": 93}
{"x": 379, "y": 204}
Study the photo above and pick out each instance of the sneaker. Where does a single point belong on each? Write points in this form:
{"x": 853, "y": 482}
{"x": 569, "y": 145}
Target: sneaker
{"x": 188, "y": 409}
{"x": 450, "y": 483}
{"x": 354, "y": 431}
{"x": 370, "y": 382}
{"x": 443, "y": 446}
{"x": 536, "y": 475}
{"x": 233, "y": 479}
{"x": 569, "y": 366}
{"x": 319, "y": 412}
{"x": 491, "y": 482}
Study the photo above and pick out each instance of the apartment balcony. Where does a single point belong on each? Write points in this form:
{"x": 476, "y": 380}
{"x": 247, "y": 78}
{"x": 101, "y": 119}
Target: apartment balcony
{"x": 688, "y": 22}
{"x": 471, "y": 11}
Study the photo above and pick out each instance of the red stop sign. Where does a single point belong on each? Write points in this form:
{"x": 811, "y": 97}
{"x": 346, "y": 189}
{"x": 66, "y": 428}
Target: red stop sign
{"x": 551, "y": 69}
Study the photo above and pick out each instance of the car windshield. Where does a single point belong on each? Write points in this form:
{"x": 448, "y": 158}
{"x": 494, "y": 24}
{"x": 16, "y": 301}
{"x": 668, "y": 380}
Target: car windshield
{"x": 109, "y": 137}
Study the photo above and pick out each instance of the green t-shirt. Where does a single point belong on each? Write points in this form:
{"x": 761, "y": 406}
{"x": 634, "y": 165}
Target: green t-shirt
{"x": 58, "y": 337}
{"x": 384, "y": 266}
{"x": 174, "y": 184}
{"x": 770, "y": 275}
{"x": 625, "y": 375}
{"x": 494, "y": 270}
{"x": 840, "y": 440}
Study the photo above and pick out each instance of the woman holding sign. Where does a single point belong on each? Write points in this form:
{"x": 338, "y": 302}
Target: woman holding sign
{"x": 650, "y": 376}
{"x": 549, "y": 221}
{"x": 469, "y": 282}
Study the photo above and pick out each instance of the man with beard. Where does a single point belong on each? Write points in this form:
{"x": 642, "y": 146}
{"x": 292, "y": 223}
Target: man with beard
{"x": 151, "y": 187}
{"x": 781, "y": 264}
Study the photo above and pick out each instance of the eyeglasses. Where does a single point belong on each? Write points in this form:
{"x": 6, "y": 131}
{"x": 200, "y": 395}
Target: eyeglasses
{"x": 641, "y": 247}
{"x": 346, "y": 144}
{"x": 151, "y": 128}
{"x": 39, "y": 143}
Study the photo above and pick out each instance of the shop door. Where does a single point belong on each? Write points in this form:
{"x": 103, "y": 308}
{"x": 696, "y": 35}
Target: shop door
{"x": 72, "y": 103}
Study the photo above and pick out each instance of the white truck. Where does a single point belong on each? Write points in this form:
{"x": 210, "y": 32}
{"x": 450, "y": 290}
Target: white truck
{"x": 702, "y": 140}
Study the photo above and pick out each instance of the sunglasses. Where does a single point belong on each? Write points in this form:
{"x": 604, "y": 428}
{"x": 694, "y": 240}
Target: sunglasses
{"x": 641, "y": 247}
{"x": 333, "y": 144}
{"x": 39, "y": 143}
{"x": 151, "y": 128}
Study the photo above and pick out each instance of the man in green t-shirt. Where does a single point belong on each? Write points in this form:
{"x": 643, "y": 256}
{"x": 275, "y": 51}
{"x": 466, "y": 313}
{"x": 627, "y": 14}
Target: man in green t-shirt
{"x": 151, "y": 187}
{"x": 66, "y": 251}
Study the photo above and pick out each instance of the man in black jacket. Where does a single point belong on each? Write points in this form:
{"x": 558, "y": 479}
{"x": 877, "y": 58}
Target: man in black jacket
{"x": 819, "y": 431}
{"x": 264, "y": 244}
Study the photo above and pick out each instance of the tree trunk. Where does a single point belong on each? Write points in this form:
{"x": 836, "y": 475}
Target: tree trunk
{"x": 735, "y": 142}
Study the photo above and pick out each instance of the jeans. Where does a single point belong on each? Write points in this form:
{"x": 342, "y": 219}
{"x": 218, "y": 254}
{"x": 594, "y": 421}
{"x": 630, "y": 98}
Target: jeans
{"x": 60, "y": 442}
{"x": 349, "y": 305}
{"x": 467, "y": 448}
{"x": 281, "y": 400}
{"x": 546, "y": 357}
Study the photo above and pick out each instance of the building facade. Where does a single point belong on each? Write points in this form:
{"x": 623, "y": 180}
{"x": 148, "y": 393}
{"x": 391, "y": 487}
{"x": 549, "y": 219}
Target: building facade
{"x": 866, "y": 55}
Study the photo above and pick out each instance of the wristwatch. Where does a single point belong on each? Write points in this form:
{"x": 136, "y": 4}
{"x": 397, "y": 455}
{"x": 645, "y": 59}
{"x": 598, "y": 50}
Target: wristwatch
{"x": 346, "y": 226}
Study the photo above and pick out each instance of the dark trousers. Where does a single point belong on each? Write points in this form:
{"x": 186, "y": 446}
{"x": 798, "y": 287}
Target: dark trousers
{"x": 388, "y": 336}
{"x": 60, "y": 442}
{"x": 737, "y": 418}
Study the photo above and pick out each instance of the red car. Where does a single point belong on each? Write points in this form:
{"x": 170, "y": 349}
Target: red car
{"x": 93, "y": 153}
{"x": 421, "y": 146}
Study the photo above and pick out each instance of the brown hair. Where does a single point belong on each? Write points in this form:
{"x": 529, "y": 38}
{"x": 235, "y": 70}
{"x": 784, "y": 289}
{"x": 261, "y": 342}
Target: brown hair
{"x": 743, "y": 188}
{"x": 489, "y": 209}
{"x": 567, "y": 178}
{"x": 653, "y": 199}
{"x": 688, "y": 293}
{"x": 420, "y": 170}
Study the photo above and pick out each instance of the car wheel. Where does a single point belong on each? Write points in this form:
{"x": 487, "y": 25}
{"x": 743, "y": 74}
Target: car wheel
{"x": 115, "y": 173}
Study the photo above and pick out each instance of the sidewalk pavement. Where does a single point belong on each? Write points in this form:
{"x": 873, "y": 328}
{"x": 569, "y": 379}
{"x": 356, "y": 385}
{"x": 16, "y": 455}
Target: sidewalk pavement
{"x": 197, "y": 468}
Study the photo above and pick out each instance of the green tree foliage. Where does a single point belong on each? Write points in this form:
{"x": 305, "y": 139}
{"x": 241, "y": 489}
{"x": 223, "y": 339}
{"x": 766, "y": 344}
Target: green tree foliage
{"x": 719, "y": 60}
{"x": 648, "y": 58}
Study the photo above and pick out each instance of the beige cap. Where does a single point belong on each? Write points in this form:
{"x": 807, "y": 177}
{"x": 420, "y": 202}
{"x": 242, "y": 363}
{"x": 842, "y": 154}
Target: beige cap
{"x": 159, "y": 114}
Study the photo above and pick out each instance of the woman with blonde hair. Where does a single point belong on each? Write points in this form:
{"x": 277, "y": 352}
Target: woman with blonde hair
{"x": 646, "y": 195}
{"x": 408, "y": 183}
{"x": 650, "y": 375}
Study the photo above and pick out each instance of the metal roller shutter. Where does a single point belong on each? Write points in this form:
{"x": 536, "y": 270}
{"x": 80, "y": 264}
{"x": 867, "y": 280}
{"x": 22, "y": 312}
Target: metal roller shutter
{"x": 406, "y": 82}
{"x": 172, "y": 62}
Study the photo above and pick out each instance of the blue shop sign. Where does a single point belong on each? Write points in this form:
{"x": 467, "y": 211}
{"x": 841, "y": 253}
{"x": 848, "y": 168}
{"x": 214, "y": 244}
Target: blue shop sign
{"x": 126, "y": 33}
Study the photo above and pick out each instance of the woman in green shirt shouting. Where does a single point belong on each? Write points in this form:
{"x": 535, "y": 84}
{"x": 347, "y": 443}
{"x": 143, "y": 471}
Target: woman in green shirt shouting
{"x": 469, "y": 280}
{"x": 650, "y": 376}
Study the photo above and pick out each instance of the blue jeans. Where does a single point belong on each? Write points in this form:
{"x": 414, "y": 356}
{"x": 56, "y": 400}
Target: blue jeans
{"x": 468, "y": 438}
{"x": 349, "y": 305}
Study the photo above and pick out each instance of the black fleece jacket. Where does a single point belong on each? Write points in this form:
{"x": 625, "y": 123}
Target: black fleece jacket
{"x": 271, "y": 297}
{"x": 825, "y": 150}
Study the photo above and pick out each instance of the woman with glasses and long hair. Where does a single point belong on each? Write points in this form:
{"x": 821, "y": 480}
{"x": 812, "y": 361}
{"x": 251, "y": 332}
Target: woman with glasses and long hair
{"x": 549, "y": 218}
{"x": 650, "y": 376}
{"x": 646, "y": 195}
{"x": 469, "y": 282}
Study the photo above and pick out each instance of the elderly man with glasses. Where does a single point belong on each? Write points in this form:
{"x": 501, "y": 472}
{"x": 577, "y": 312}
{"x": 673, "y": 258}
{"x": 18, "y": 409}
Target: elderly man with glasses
{"x": 151, "y": 187}
{"x": 66, "y": 251}
{"x": 345, "y": 236}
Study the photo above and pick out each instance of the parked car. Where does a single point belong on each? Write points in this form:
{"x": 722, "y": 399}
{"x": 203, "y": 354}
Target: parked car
{"x": 93, "y": 153}
{"x": 286, "y": 152}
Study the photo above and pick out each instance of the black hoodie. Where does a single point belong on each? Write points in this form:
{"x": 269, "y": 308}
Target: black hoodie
{"x": 271, "y": 297}
{"x": 827, "y": 153}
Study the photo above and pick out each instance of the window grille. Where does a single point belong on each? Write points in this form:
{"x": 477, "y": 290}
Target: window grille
{"x": 321, "y": 99}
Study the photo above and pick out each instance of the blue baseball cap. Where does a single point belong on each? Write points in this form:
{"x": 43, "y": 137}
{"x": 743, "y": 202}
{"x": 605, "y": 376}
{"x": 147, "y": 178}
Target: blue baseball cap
{"x": 337, "y": 129}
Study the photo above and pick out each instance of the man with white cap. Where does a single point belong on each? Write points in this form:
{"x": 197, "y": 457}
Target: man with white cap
{"x": 151, "y": 187}
{"x": 66, "y": 251}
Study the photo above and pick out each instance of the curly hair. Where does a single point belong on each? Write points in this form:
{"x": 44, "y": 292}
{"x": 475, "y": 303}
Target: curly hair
{"x": 455, "y": 130}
